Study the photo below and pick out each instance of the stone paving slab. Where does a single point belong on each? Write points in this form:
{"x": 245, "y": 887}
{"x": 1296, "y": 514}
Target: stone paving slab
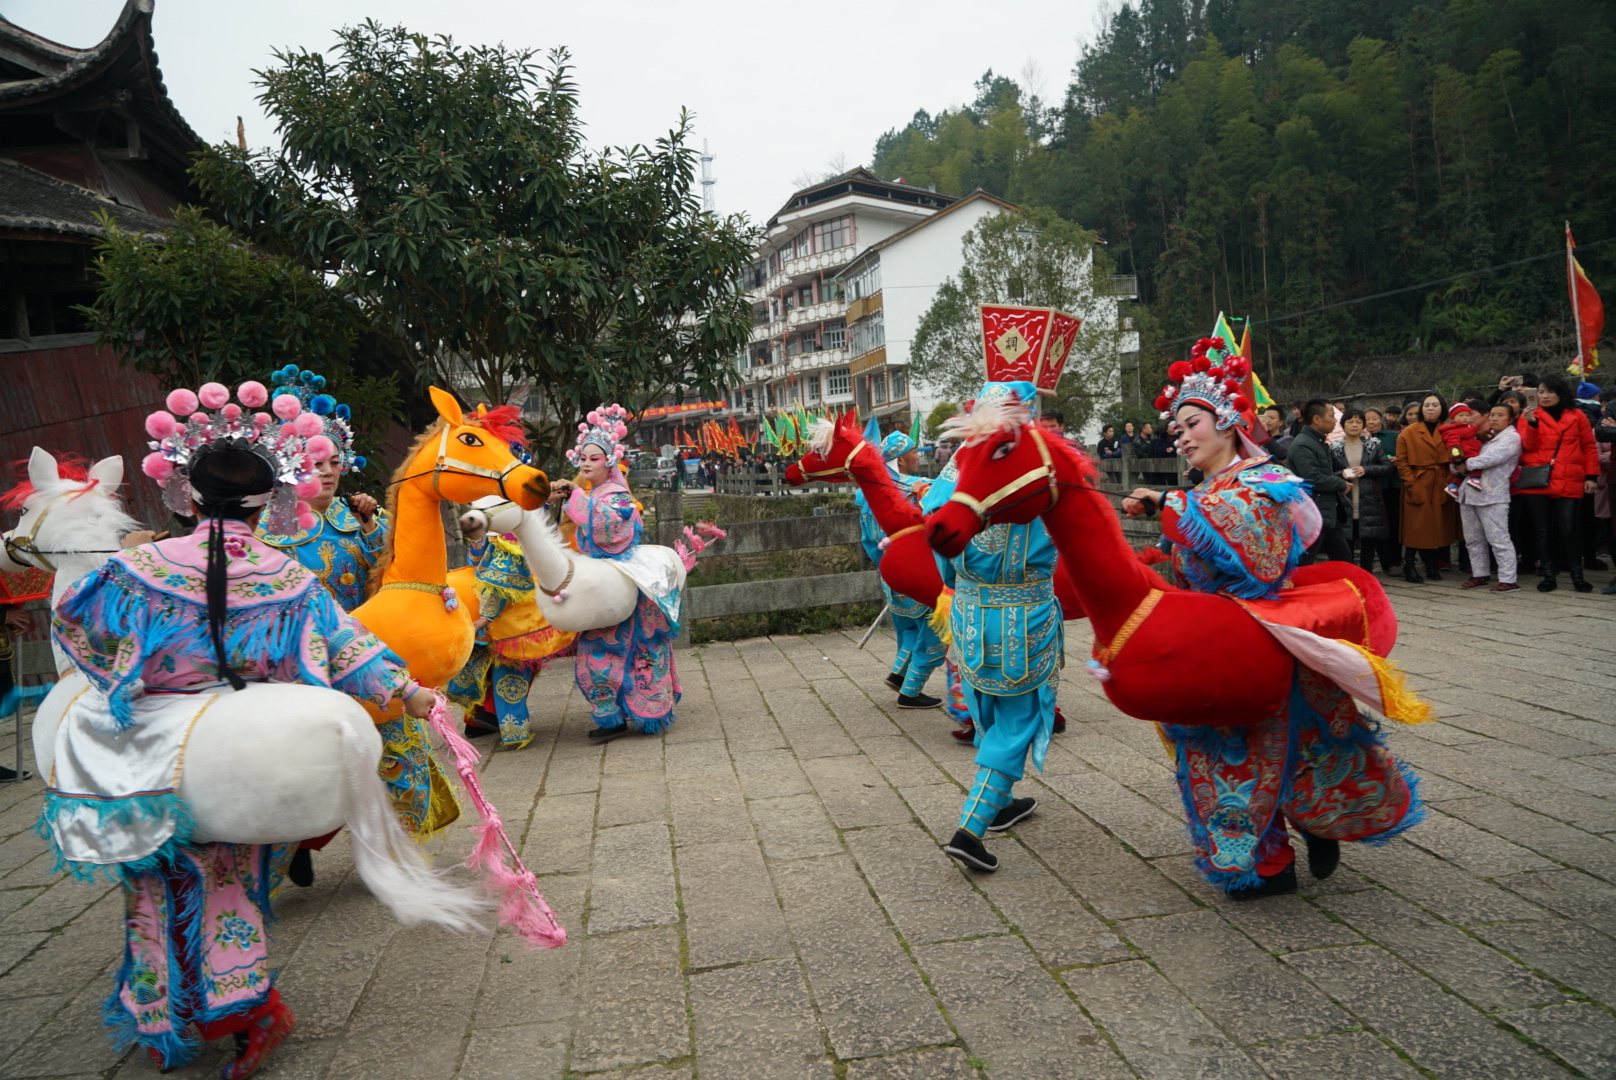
{"x": 758, "y": 893}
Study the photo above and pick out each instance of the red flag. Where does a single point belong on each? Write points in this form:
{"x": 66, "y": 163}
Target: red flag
{"x": 1587, "y": 311}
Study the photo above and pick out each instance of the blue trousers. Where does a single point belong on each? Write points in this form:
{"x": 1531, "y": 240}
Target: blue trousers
{"x": 920, "y": 650}
{"x": 1005, "y": 730}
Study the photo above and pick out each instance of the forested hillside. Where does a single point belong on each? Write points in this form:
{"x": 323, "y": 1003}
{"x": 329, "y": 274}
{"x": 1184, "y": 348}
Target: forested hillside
{"x": 1268, "y": 157}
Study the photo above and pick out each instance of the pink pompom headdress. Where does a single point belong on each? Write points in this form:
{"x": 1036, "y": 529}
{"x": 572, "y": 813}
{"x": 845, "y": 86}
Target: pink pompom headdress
{"x": 195, "y": 421}
{"x": 605, "y": 427}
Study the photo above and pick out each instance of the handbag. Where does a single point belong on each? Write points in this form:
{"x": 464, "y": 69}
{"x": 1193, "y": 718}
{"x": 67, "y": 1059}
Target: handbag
{"x": 1533, "y": 477}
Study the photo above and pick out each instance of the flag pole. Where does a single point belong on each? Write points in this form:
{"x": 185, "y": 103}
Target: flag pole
{"x": 1571, "y": 287}
{"x": 865, "y": 640}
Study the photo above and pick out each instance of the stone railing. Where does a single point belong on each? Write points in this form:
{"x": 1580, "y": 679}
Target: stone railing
{"x": 764, "y": 537}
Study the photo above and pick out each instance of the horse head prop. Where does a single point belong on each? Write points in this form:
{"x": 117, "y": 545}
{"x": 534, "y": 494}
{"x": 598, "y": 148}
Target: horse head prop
{"x": 72, "y": 519}
{"x": 1007, "y": 474}
{"x": 832, "y": 447}
{"x": 461, "y": 458}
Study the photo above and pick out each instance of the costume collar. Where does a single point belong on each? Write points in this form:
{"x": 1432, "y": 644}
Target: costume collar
{"x": 338, "y": 516}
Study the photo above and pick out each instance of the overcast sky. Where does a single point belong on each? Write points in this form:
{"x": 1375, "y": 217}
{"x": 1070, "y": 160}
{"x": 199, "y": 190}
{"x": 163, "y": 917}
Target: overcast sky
{"x": 776, "y": 89}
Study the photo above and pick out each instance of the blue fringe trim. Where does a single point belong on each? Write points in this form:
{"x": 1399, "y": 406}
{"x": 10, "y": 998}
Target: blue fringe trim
{"x": 181, "y": 1043}
{"x": 115, "y": 606}
{"x": 1237, "y": 579}
{"x": 1416, "y": 809}
{"x": 18, "y": 696}
{"x": 117, "y": 812}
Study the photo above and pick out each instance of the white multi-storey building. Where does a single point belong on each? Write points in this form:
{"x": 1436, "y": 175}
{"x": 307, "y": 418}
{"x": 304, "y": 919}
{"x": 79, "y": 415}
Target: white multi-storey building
{"x": 800, "y": 353}
{"x": 844, "y": 274}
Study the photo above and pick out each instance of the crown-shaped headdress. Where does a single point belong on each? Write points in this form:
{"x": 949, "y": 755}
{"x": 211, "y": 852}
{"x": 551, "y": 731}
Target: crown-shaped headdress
{"x": 606, "y": 427}
{"x": 198, "y": 421}
{"x": 309, "y": 389}
{"x": 1214, "y": 378}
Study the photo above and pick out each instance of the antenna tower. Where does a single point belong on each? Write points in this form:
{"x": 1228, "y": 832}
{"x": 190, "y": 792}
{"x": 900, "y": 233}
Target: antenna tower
{"x": 707, "y": 180}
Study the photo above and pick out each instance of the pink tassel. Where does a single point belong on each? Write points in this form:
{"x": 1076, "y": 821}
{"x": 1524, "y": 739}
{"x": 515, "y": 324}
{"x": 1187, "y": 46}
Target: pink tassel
{"x": 708, "y": 535}
{"x": 521, "y": 906}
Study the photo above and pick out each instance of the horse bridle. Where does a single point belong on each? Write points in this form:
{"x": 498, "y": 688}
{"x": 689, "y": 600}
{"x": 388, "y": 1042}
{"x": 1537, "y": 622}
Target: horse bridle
{"x": 29, "y": 547}
{"x": 983, "y": 507}
{"x": 447, "y": 464}
{"x": 844, "y": 469}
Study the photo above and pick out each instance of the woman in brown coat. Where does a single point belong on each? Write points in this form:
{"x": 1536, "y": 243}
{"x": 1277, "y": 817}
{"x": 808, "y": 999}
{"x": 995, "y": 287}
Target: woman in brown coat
{"x": 1430, "y": 519}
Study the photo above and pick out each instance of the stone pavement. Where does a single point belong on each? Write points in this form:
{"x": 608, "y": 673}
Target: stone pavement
{"x": 759, "y": 894}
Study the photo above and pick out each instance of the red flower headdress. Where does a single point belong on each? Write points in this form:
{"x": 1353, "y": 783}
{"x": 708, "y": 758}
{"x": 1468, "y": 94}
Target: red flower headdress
{"x": 1215, "y": 378}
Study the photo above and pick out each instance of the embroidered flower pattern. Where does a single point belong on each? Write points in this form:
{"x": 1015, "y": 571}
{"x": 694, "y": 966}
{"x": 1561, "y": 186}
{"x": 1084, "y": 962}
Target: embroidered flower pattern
{"x": 236, "y": 931}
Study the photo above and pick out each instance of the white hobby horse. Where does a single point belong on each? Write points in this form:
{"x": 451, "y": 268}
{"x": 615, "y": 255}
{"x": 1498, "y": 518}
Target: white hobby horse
{"x": 574, "y": 591}
{"x": 274, "y": 763}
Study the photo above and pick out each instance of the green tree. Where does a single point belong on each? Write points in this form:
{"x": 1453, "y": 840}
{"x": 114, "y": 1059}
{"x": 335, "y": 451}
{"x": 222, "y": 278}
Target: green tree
{"x": 196, "y": 304}
{"x": 1031, "y": 257}
{"x": 1277, "y": 158}
{"x": 448, "y": 191}
{"x": 939, "y": 413}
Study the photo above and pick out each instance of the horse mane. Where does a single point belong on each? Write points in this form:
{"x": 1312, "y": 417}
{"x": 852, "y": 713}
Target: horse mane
{"x": 994, "y": 417}
{"x": 68, "y": 467}
{"x": 384, "y": 558}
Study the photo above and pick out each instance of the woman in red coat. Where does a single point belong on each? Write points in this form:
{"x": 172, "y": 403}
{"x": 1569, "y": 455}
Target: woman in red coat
{"x": 1557, "y": 434}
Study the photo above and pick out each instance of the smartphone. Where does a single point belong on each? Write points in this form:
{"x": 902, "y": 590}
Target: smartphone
{"x": 1531, "y": 397}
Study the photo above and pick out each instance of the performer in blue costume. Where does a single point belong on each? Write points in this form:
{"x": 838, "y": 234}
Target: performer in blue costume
{"x": 348, "y": 533}
{"x": 341, "y": 547}
{"x": 1008, "y": 645}
{"x": 920, "y": 650}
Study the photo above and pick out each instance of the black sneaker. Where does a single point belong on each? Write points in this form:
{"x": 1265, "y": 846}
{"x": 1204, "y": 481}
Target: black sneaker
{"x": 1019, "y": 810}
{"x": 11, "y": 774}
{"x": 895, "y": 681}
{"x": 301, "y": 871}
{"x": 919, "y": 701}
{"x": 607, "y": 734}
{"x": 1323, "y": 856}
{"x": 1281, "y": 884}
{"x": 970, "y": 851}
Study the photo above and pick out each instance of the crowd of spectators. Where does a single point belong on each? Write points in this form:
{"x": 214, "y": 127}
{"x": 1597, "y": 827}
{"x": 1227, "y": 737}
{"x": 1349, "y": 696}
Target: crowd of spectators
{"x": 1516, "y": 483}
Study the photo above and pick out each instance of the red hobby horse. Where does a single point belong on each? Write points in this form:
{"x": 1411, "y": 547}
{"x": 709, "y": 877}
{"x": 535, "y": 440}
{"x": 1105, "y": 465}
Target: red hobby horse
{"x": 1190, "y": 657}
{"x": 842, "y": 454}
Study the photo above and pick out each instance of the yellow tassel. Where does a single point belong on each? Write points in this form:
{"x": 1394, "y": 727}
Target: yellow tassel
{"x": 940, "y": 616}
{"x": 1397, "y": 701}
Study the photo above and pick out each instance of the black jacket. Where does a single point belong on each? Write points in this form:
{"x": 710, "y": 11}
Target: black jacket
{"x": 1372, "y": 524}
{"x": 1310, "y": 459}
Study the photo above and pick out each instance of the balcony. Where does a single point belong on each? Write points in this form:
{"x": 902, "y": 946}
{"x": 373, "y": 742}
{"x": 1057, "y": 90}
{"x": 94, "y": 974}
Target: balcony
{"x": 819, "y": 358}
{"x": 869, "y": 361}
{"x": 764, "y": 373}
{"x": 816, "y": 313}
{"x": 815, "y": 262}
{"x": 864, "y": 306}
{"x": 768, "y": 331}
{"x": 1121, "y": 286}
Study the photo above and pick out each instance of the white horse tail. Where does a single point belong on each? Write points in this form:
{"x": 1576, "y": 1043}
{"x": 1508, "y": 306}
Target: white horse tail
{"x": 392, "y": 866}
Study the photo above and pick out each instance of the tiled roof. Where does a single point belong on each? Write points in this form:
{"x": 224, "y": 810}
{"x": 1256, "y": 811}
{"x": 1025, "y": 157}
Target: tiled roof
{"x": 30, "y": 201}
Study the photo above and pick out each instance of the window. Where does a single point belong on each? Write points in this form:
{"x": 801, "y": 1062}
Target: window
{"x": 837, "y": 382}
{"x": 900, "y": 384}
{"x": 866, "y": 282}
{"x": 802, "y": 245}
{"x": 809, "y": 342}
{"x": 774, "y": 262}
{"x": 793, "y": 344}
{"x": 830, "y": 291}
{"x": 805, "y": 296}
{"x": 868, "y": 334}
{"x": 878, "y": 388}
{"x": 834, "y": 335}
{"x": 810, "y": 385}
{"x": 835, "y": 233}
{"x": 768, "y": 396}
